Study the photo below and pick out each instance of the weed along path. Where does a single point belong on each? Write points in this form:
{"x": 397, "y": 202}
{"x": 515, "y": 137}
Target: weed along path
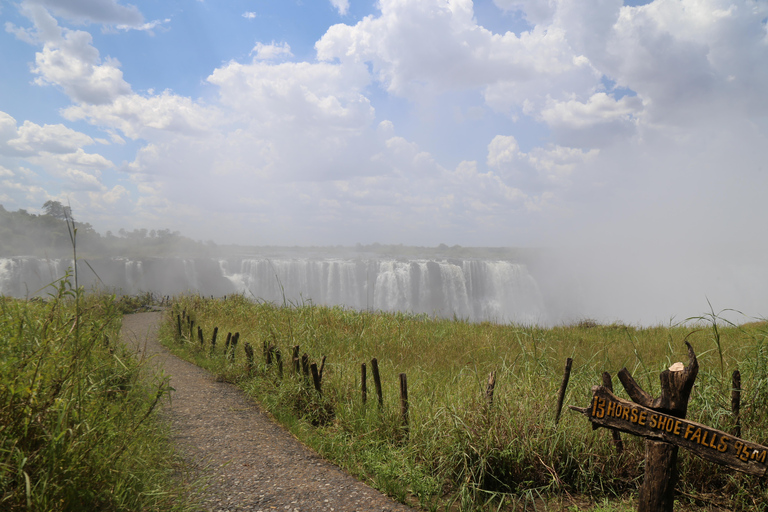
{"x": 248, "y": 461}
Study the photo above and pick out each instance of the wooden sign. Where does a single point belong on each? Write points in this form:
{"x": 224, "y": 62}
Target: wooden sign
{"x": 608, "y": 410}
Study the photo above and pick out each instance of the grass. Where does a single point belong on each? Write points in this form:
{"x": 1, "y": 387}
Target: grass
{"x": 78, "y": 429}
{"x": 457, "y": 452}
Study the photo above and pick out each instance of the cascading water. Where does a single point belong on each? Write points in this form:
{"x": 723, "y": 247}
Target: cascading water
{"x": 472, "y": 289}
{"x": 476, "y": 290}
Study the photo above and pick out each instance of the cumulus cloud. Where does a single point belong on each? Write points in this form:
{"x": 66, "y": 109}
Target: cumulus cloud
{"x": 461, "y": 54}
{"x": 136, "y": 115}
{"x": 70, "y": 61}
{"x": 33, "y": 138}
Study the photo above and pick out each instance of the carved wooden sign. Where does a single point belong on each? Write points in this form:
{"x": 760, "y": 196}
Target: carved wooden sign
{"x": 608, "y": 410}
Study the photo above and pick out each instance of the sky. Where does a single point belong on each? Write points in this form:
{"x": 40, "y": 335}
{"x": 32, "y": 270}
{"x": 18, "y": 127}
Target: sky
{"x": 635, "y": 133}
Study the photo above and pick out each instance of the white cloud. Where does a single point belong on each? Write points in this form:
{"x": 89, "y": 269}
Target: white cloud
{"x": 149, "y": 27}
{"x": 422, "y": 48}
{"x": 271, "y": 51}
{"x": 249, "y": 15}
{"x": 341, "y": 5}
{"x": 600, "y": 108}
{"x": 33, "y": 138}
{"x": 70, "y": 61}
{"x": 81, "y": 180}
{"x": 543, "y": 169}
{"x": 138, "y": 116}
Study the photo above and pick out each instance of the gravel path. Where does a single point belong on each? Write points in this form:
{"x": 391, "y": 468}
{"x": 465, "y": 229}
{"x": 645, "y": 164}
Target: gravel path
{"x": 252, "y": 463}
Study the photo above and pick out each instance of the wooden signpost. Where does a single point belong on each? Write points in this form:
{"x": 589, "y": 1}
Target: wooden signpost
{"x": 662, "y": 423}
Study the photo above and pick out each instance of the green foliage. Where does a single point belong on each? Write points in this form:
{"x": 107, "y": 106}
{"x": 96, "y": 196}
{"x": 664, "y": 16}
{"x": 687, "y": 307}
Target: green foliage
{"x": 77, "y": 423}
{"x": 458, "y": 451}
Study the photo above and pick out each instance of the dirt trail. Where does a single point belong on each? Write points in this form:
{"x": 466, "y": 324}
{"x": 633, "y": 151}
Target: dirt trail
{"x": 253, "y": 463}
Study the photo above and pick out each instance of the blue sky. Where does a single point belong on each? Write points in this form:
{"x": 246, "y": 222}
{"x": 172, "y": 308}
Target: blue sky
{"x": 633, "y": 130}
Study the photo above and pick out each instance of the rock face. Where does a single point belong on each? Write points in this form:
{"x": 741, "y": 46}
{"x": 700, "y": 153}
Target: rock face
{"x": 472, "y": 289}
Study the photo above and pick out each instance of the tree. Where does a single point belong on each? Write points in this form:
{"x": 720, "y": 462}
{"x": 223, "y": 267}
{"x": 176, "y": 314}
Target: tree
{"x": 56, "y": 210}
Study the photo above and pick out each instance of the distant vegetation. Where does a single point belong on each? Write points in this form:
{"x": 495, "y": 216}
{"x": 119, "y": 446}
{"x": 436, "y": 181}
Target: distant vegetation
{"x": 459, "y": 452}
{"x": 47, "y": 236}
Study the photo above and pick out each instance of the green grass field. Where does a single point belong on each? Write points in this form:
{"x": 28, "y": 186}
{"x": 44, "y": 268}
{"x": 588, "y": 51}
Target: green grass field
{"x": 78, "y": 424}
{"x": 458, "y": 453}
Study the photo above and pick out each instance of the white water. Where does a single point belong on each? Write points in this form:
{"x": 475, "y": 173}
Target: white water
{"x": 476, "y": 290}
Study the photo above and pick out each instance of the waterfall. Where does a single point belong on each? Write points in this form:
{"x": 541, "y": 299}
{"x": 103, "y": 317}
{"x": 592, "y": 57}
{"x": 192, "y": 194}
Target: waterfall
{"x": 475, "y": 290}
{"x": 471, "y": 289}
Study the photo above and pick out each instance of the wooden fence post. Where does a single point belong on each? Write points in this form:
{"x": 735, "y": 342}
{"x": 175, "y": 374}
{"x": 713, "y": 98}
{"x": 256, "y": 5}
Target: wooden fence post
{"x": 295, "y": 359}
{"x": 316, "y": 377}
{"x": 377, "y": 380}
{"x": 322, "y": 366}
{"x": 200, "y": 336}
{"x": 489, "y": 388}
{"x": 233, "y": 346}
{"x": 563, "y": 386}
{"x": 248, "y": 357}
{"x": 657, "y": 492}
{"x": 617, "y": 442}
{"x": 305, "y": 364}
{"x": 178, "y": 325}
{"x": 736, "y": 402}
{"x": 213, "y": 338}
{"x": 279, "y": 359}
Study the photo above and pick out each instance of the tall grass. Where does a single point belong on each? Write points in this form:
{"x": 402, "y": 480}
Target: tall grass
{"x": 459, "y": 452}
{"x": 78, "y": 429}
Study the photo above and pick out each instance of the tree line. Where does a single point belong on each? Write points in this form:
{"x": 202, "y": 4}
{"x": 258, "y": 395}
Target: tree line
{"x": 47, "y": 236}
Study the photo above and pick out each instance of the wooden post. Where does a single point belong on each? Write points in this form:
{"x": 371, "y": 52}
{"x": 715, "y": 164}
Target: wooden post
{"x": 377, "y": 380}
{"x": 200, "y": 336}
{"x": 322, "y": 366}
{"x": 305, "y": 364}
{"x": 736, "y": 402}
{"x": 279, "y": 358}
{"x": 295, "y": 359}
{"x": 248, "y": 357}
{"x": 662, "y": 423}
{"x": 316, "y": 377}
{"x": 563, "y": 387}
{"x": 213, "y": 338}
{"x": 227, "y": 343}
{"x": 617, "y": 442}
{"x": 657, "y": 493}
{"x": 404, "y": 401}
{"x": 178, "y": 325}
{"x": 363, "y": 385}
{"x": 233, "y": 346}
{"x": 489, "y": 388}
